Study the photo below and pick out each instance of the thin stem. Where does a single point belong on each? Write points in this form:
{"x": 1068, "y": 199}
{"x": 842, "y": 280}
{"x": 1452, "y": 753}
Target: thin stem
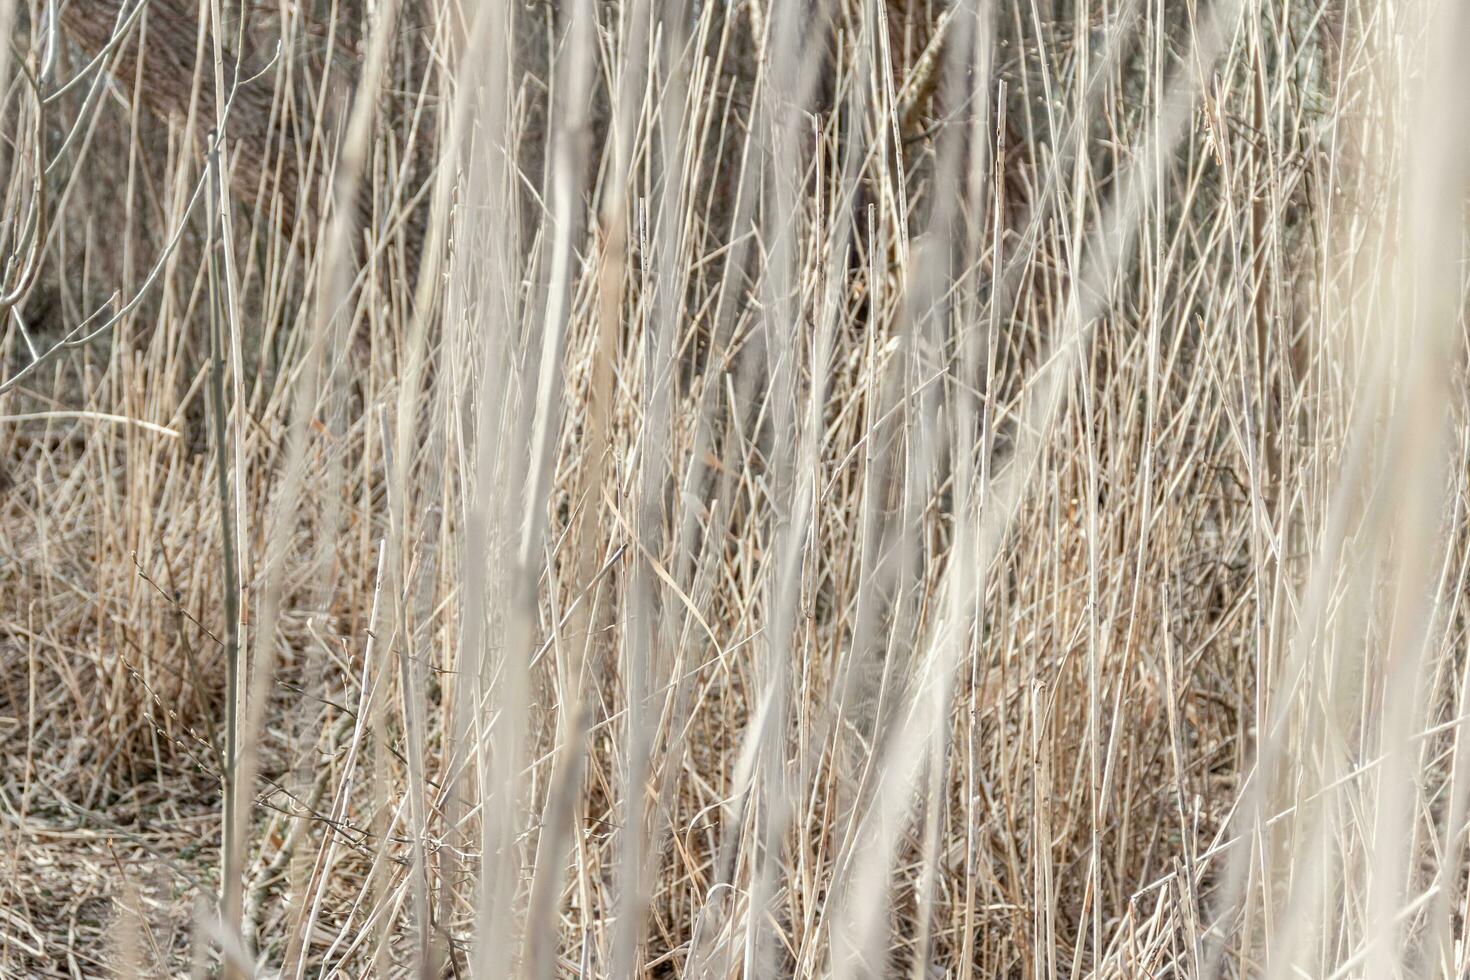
{"x": 230, "y": 843}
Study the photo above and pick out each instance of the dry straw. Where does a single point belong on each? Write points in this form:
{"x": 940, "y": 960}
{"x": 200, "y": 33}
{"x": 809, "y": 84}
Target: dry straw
{"x": 852, "y": 488}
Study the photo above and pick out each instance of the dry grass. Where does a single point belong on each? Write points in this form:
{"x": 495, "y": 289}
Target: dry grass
{"x": 606, "y": 488}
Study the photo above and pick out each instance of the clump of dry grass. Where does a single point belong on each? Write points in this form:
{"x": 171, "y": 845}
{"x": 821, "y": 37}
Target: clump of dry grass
{"x": 741, "y": 488}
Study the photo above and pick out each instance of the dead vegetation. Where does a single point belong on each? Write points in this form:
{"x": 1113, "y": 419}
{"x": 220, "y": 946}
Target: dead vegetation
{"x": 747, "y": 488}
